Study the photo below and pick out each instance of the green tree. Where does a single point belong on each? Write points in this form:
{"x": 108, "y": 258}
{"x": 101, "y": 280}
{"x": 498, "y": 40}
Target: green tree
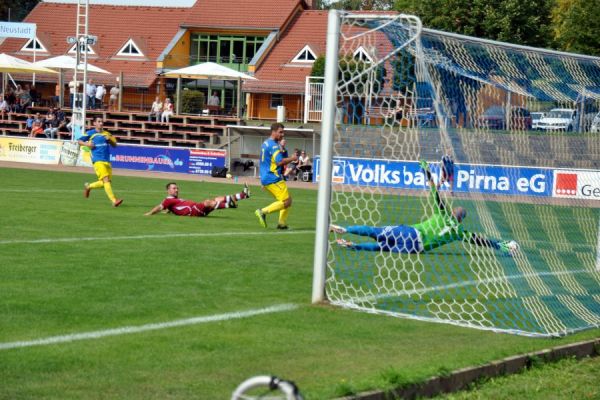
{"x": 526, "y": 22}
{"x": 192, "y": 102}
{"x": 318, "y": 68}
{"x": 577, "y": 26}
{"x": 16, "y": 10}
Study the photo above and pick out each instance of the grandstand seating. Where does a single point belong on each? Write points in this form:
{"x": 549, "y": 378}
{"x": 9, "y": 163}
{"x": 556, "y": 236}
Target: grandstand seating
{"x": 130, "y": 127}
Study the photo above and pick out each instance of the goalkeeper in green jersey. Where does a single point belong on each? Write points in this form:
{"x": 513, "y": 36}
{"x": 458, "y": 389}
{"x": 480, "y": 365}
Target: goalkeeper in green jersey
{"x": 443, "y": 227}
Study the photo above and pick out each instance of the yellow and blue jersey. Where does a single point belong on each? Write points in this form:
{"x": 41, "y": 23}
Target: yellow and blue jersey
{"x": 101, "y": 141}
{"x": 270, "y": 155}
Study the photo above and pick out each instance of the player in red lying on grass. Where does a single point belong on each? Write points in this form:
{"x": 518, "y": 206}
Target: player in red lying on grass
{"x": 172, "y": 203}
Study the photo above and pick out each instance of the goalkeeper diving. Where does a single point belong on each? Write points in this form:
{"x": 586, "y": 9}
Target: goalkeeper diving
{"x": 443, "y": 227}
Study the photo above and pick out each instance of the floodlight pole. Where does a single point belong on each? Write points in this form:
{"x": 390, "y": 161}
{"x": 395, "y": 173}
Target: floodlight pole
{"x": 325, "y": 162}
{"x": 82, "y": 42}
{"x": 178, "y": 96}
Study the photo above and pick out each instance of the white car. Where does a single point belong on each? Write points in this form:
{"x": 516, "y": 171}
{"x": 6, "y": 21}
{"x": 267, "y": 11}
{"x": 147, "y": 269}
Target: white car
{"x": 558, "y": 119}
{"x": 596, "y": 124}
{"x": 535, "y": 119}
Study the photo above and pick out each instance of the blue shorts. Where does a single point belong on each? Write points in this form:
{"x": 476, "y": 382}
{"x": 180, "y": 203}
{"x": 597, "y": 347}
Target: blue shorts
{"x": 399, "y": 239}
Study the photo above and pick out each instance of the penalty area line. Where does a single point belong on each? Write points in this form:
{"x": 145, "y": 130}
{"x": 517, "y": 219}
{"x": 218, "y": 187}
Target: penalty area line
{"x": 161, "y": 236}
{"x": 148, "y": 327}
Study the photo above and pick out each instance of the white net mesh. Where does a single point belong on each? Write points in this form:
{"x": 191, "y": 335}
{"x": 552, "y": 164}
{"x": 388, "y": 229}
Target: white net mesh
{"x": 525, "y": 258}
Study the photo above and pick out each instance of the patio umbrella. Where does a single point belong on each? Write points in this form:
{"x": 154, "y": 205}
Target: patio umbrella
{"x": 208, "y": 70}
{"x": 10, "y": 64}
{"x": 16, "y": 65}
{"x": 66, "y": 62}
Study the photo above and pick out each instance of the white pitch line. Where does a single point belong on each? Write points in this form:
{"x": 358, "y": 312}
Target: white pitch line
{"x": 162, "y": 236}
{"x": 456, "y": 285}
{"x": 148, "y": 327}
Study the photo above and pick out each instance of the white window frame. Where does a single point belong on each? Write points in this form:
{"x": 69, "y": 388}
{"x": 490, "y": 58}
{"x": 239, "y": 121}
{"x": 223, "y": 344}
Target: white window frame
{"x": 361, "y": 51}
{"x": 73, "y": 49}
{"x": 42, "y": 49}
{"x": 305, "y": 49}
{"x": 130, "y": 44}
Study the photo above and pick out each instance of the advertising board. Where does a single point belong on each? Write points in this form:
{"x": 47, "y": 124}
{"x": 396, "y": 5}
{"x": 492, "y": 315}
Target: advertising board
{"x": 203, "y": 160}
{"x": 36, "y": 151}
{"x": 147, "y": 158}
{"x": 471, "y": 178}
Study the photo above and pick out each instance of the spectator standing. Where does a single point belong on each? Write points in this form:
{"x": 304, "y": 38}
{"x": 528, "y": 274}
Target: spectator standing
{"x": 100, "y": 92}
{"x": 214, "y": 100}
{"x": 18, "y": 92}
{"x": 113, "y": 99}
{"x": 35, "y": 96}
{"x": 72, "y": 88}
{"x": 90, "y": 92}
{"x": 11, "y": 99}
{"x": 24, "y": 99}
{"x": 3, "y": 106}
{"x": 56, "y": 97}
{"x": 156, "y": 109}
{"x": 167, "y": 111}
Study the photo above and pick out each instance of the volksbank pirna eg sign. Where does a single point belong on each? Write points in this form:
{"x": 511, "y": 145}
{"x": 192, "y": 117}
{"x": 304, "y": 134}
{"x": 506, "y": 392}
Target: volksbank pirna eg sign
{"x": 17, "y": 30}
{"x": 489, "y": 179}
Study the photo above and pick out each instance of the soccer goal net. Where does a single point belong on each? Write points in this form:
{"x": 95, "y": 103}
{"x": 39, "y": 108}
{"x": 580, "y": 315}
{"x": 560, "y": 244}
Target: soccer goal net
{"x": 499, "y": 228}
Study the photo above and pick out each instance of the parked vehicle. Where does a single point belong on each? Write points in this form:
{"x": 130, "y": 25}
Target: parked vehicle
{"x": 520, "y": 119}
{"x": 495, "y": 118}
{"x": 596, "y": 124}
{"x": 535, "y": 119}
{"x": 558, "y": 119}
{"x": 492, "y": 118}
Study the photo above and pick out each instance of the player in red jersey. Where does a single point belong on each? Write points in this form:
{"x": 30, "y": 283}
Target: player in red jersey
{"x": 172, "y": 203}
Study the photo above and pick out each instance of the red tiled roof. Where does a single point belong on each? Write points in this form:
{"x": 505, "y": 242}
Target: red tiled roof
{"x": 114, "y": 26}
{"x": 151, "y": 28}
{"x": 263, "y": 14}
{"x": 277, "y": 74}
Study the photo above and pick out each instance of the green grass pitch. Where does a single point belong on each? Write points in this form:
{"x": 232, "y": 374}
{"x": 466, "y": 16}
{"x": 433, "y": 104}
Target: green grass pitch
{"x": 70, "y": 265}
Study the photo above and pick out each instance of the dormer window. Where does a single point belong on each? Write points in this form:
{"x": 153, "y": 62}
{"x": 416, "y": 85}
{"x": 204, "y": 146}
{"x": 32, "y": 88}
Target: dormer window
{"x": 34, "y": 44}
{"x": 130, "y": 49}
{"x": 73, "y": 49}
{"x": 306, "y": 55}
{"x": 361, "y": 55}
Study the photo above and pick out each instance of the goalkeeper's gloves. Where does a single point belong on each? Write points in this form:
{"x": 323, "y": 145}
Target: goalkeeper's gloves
{"x": 509, "y": 247}
{"x": 424, "y": 165}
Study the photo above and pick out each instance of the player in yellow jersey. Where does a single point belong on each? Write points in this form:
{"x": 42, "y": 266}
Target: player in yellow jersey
{"x": 272, "y": 163}
{"x": 99, "y": 140}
